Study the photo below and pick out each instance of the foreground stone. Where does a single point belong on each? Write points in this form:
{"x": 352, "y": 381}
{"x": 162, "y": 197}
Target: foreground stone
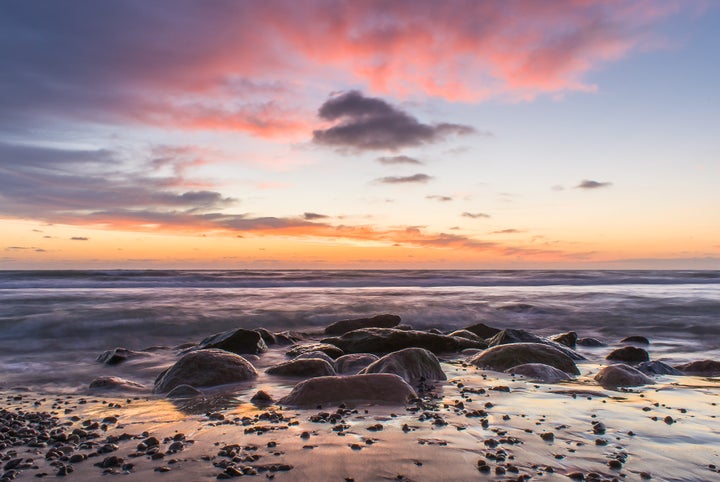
{"x": 658, "y": 368}
{"x": 539, "y": 372}
{"x": 352, "y": 363}
{"x": 502, "y": 357}
{"x": 621, "y": 375}
{"x": 317, "y": 354}
{"x": 568, "y": 339}
{"x": 303, "y": 367}
{"x": 183, "y": 392}
{"x": 386, "y": 340}
{"x": 238, "y": 341}
{"x": 379, "y": 321}
{"x": 466, "y": 334}
{"x": 205, "y": 368}
{"x": 384, "y": 388}
{"x": 116, "y": 383}
{"x": 482, "y": 330}
{"x": 412, "y": 364}
{"x": 700, "y": 367}
{"x": 629, "y": 354}
{"x": 521, "y": 336}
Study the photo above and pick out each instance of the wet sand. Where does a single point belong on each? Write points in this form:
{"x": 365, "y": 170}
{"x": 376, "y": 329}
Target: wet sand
{"x": 478, "y": 425}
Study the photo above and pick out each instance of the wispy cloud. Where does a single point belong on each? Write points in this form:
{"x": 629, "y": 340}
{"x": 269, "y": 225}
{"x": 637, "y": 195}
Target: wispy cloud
{"x": 507, "y": 231}
{"x": 588, "y": 184}
{"x": 314, "y": 216}
{"x": 414, "y": 179}
{"x": 370, "y": 123}
{"x": 435, "y": 197}
{"x": 394, "y": 160}
{"x": 79, "y": 238}
{"x": 475, "y": 215}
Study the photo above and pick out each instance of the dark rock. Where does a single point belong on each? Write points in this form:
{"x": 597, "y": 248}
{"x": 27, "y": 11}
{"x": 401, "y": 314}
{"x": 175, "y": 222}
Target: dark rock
{"x": 466, "y": 334}
{"x": 621, "y": 375}
{"x": 590, "y": 342}
{"x": 316, "y": 354}
{"x": 521, "y": 336}
{"x": 636, "y": 339}
{"x": 657, "y": 368}
{"x": 502, "y": 357}
{"x": 385, "y": 340}
{"x": 568, "y": 339}
{"x": 373, "y": 388}
{"x": 238, "y": 341}
{"x": 205, "y": 368}
{"x": 379, "y": 321}
{"x": 412, "y": 364}
{"x": 700, "y": 367}
{"x": 539, "y": 372}
{"x": 267, "y": 336}
{"x": 184, "y": 391}
{"x": 116, "y": 383}
{"x": 329, "y": 349}
{"x": 482, "y": 330}
{"x": 629, "y": 354}
{"x": 262, "y": 398}
{"x": 303, "y": 367}
{"x": 287, "y": 338}
{"x": 354, "y": 362}
{"x": 117, "y": 356}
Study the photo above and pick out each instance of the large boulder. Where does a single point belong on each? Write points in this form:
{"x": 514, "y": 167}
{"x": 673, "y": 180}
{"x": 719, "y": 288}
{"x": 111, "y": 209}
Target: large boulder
{"x": 302, "y": 367}
{"x": 412, "y": 364}
{"x": 352, "y": 363}
{"x": 700, "y": 367}
{"x": 482, "y": 330}
{"x": 502, "y": 357}
{"x": 386, "y": 340}
{"x": 238, "y": 341}
{"x": 205, "y": 368}
{"x": 628, "y": 354}
{"x": 115, "y": 384}
{"x": 539, "y": 372}
{"x": 621, "y": 375}
{"x": 508, "y": 336}
{"x": 383, "y": 388}
{"x": 379, "y": 321}
{"x": 330, "y": 350}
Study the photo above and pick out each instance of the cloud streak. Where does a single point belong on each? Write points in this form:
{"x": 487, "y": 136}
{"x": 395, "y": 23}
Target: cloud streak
{"x": 588, "y": 184}
{"x": 396, "y": 160}
{"x": 414, "y": 179}
{"x": 475, "y": 215}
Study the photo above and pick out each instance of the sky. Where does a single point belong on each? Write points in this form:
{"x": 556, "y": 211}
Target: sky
{"x": 274, "y": 134}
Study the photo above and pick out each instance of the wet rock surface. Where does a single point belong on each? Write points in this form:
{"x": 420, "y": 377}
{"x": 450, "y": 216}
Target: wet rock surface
{"x": 621, "y": 375}
{"x": 386, "y": 340}
{"x": 205, "y": 368}
{"x": 239, "y": 341}
{"x": 539, "y": 372}
{"x": 412, "y": 364}
{"x": 629, "y": 354}
{"x": 503, "y": 357}
{"x": 375, "y": 388}
{"x": 302, "y": 367}
{"x": 379, "y": 321}
{"x": 115, "y": 383}
{"x": 352, "y": 363}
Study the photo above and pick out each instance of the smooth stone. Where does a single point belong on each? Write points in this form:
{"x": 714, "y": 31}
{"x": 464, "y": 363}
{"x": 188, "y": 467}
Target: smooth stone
{"x": 379, "y": 321}
{"x": 700, "y": 367}
{"x": 329, "y": 349}
{"x": 115, "y": 383}
{"x": 521, "y": 336}
{"x": 184, "y": 391}
{"x": 117, "y": 356}
{"x": 316, "y": 354}
{"x": 621, "y": 375}
{"x": 635, "y": 339}
{"x": 303, "y": 367}
{"x": 502, "y": 357}
{"x": 482, "y": 330}
{"x": 262, "y": 398}
{"x": 471, "y": 351}
{"x": 465, "y": 334}
{"x": 568, "y": 339}
{"x": 412, "y": 364}
{"x": 590, "y": 342}
{"x": 658, "y": 368}
{"x": 240, "y": 341}
{"x": 287, "y": 338}
{"x": 386, "y": 340}
{"x": 352, "y": 363}
{"x": 267, "y": 336}
{"x": 629, "y": 354}
{"x": 539, "y": 372}
{"x": 384, "y": 388}
{"x": 205, "y": 368}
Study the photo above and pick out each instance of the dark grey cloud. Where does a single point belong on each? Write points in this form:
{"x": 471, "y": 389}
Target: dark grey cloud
{"x": 79, "y": 238}
{"x": 475, "y": 215}
{"x": 587, "y": 184}
{"x": 435, "y": 197}
{"x": 369, "y": 123}
{"x": 414, "y": 179}
{"x": 314, "y": 216}
{"x": 392, "y": 160}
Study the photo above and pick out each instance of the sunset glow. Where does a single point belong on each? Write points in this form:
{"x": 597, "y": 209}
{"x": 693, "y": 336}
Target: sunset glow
{"x": 359, "y": 134}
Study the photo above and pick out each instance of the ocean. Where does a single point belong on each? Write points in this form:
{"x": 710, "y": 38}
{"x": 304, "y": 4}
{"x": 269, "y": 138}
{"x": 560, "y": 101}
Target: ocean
{"x": 54, "y": 323}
